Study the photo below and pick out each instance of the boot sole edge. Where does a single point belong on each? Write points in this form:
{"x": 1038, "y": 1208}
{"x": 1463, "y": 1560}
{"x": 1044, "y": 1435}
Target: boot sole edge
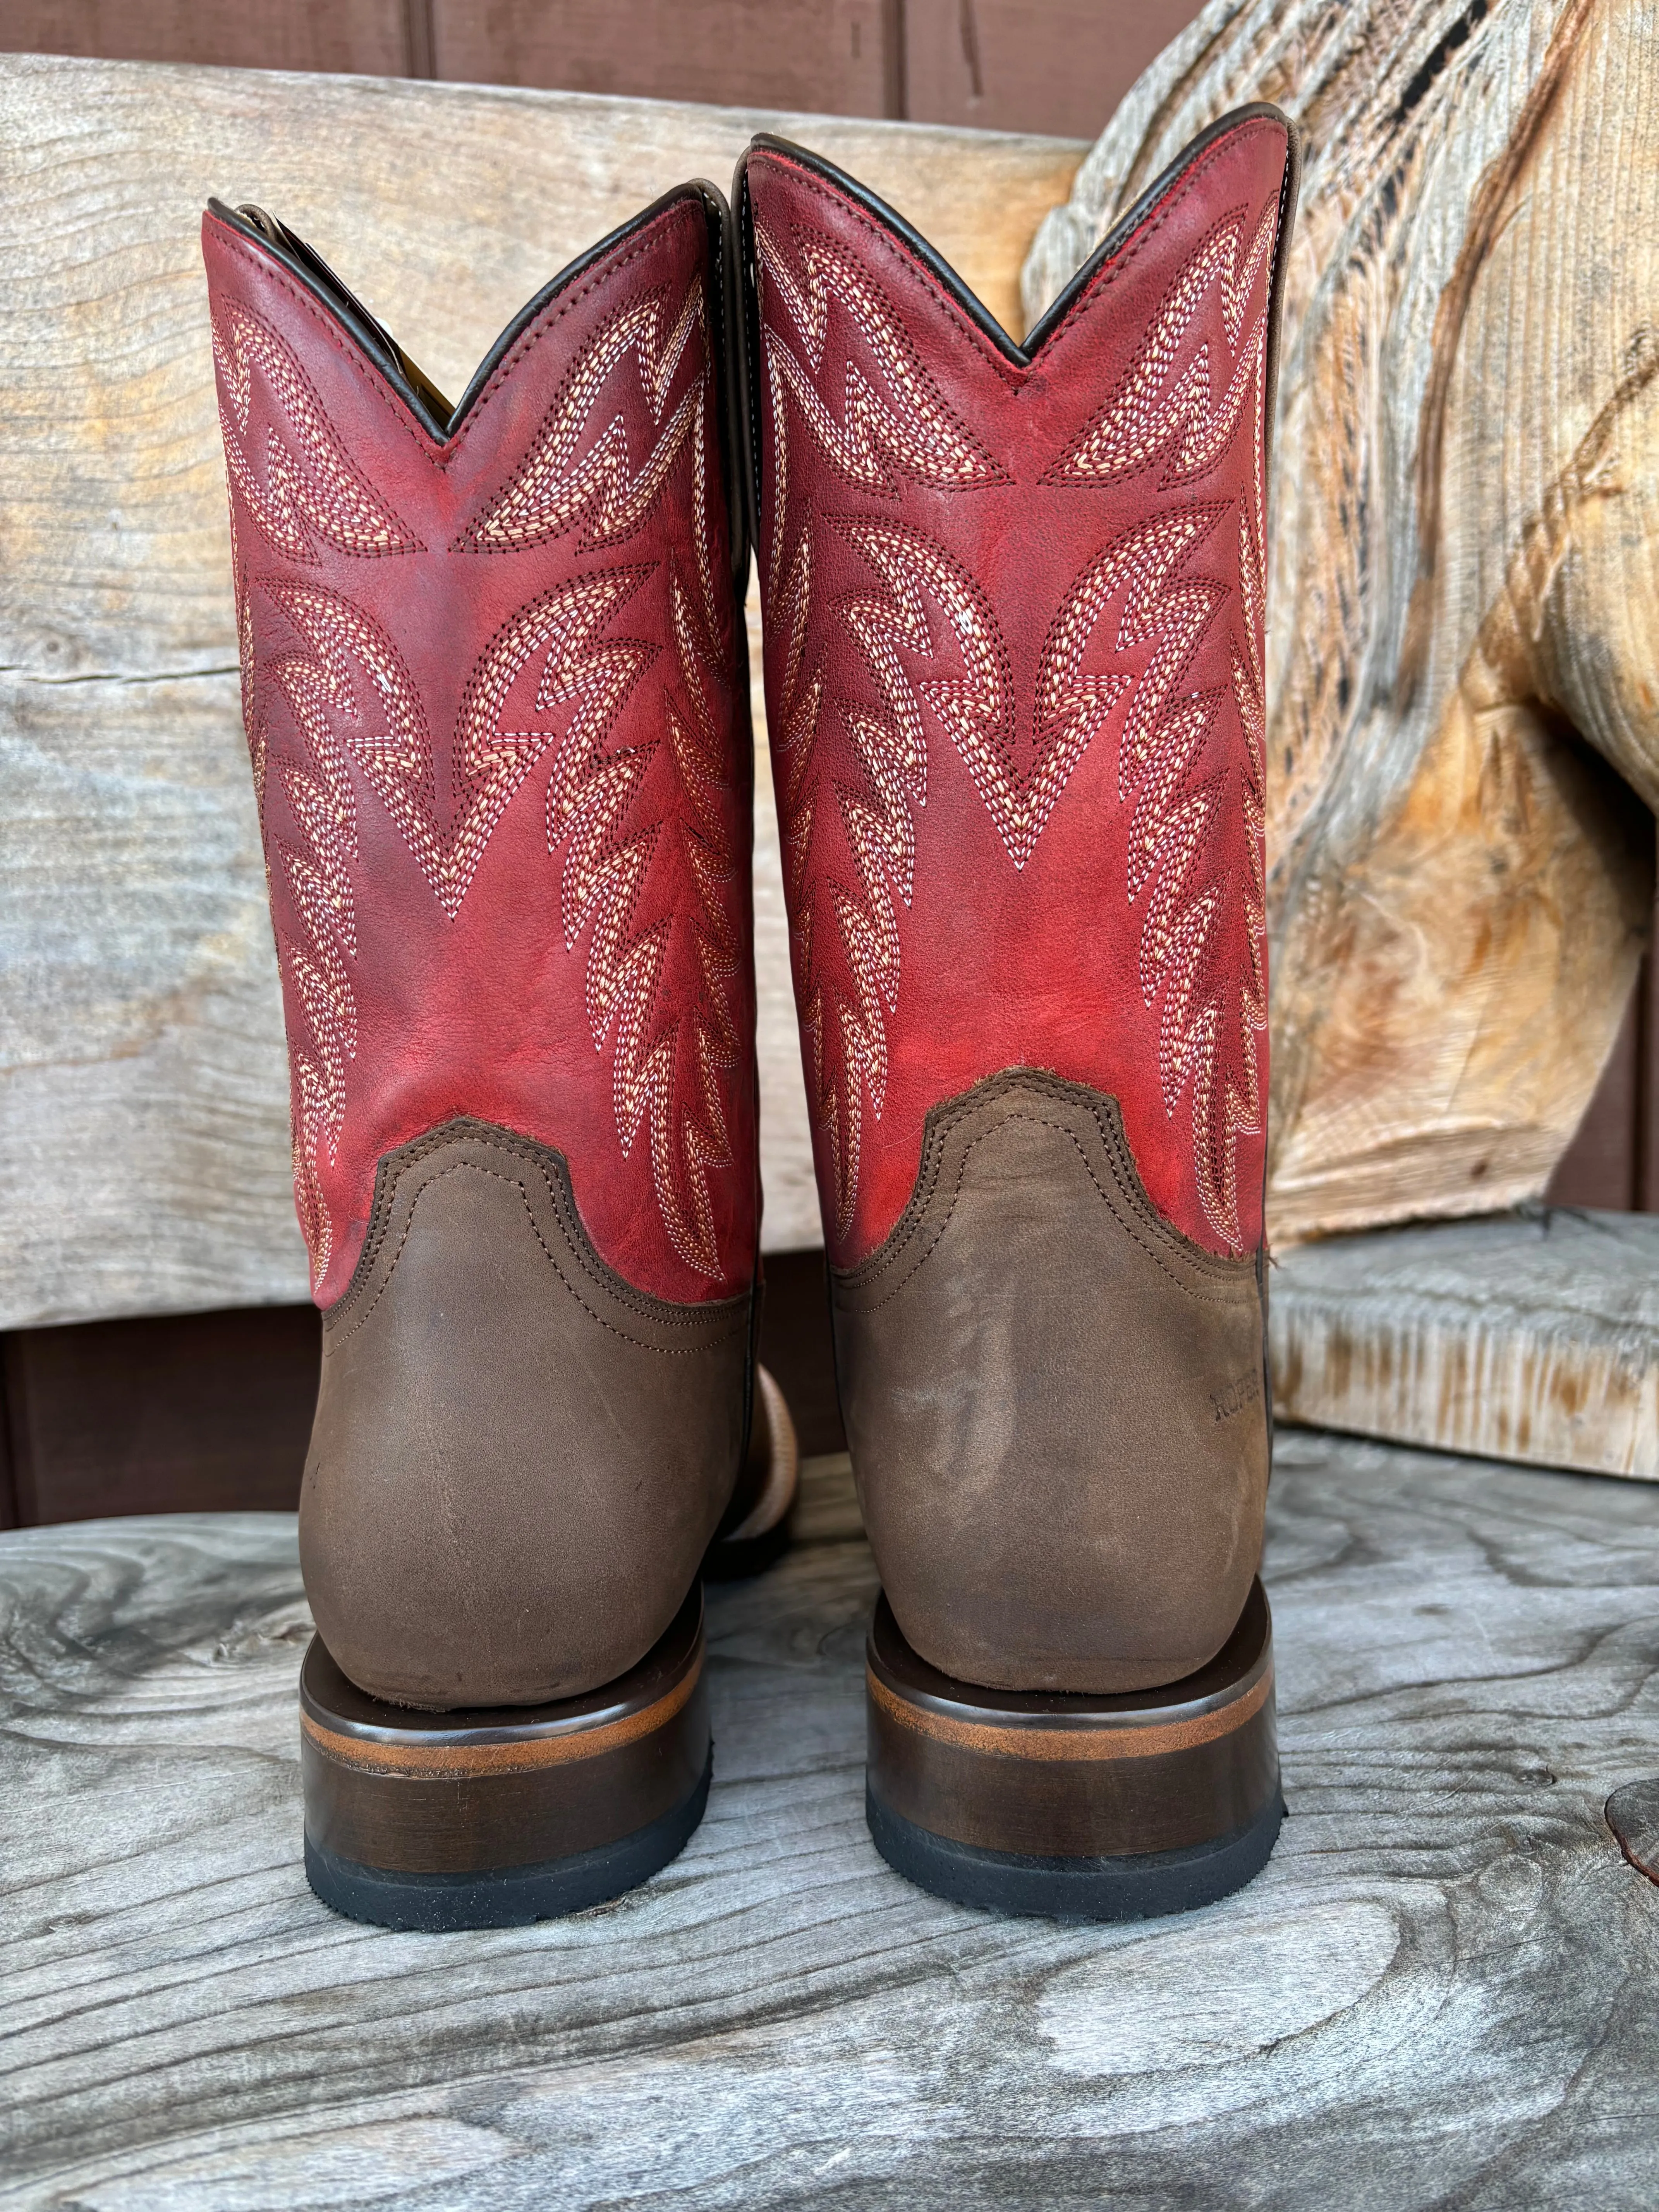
{"x": 505, "y": 1897}
{"x": 1150, "y": 1886}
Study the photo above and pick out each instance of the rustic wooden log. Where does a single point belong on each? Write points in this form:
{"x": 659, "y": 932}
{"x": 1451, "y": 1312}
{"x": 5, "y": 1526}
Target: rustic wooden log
{"x": 1464, "y": 734}
{"x": 1531, "y": 1337}
{"x": 1438, "y": 1992}
{"x": 143, "y": 1153}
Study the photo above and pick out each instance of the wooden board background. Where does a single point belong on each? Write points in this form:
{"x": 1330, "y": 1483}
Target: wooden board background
{"x": 1439, "y": 1994}
{"x": 1056, "y": 66}
{"x": 1531, "y": 1336}
{"x": 143, "y": 1156}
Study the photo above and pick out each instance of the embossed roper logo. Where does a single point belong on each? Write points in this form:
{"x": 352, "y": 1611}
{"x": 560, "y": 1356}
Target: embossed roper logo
{"x": 1243, "y": 1390}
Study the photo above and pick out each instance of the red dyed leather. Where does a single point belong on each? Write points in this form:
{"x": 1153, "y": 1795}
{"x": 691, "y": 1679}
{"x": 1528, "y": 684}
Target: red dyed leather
{"x": 490, "y": 687}
{"x": 1014, "y": 680}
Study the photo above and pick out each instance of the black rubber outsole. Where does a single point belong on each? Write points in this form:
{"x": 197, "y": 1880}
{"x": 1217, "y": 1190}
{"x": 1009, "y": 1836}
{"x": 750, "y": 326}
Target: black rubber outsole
{"x": 505, "y": 1897}
{"x": 1145, "y": 1888}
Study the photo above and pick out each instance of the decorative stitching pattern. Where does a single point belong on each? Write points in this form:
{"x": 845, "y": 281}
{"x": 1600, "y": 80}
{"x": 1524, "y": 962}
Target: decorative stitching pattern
{"x": 904, "y": 425}
{"x": 442, "y": 454}
{"x": 317, "y": 871}
{"x": 301, "y": 484}
{"x": 568, "y": 476}
{"x": 605, "y": 871}
{"x": 549, "y": 1164}
{"x": 1182, "y": 402}
{"x": 1165, "y": 407}
{"x": 892, "y": 419}
{"x": 549, "y": 678}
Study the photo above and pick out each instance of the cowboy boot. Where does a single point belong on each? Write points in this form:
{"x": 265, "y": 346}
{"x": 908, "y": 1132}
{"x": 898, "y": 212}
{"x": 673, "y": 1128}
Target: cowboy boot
{"x": 494, "y": 691}
{"x": 1013, "y": 598}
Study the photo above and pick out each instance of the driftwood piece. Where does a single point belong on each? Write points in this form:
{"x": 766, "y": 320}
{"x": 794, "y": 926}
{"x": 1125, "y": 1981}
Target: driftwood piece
{"x": 1440, "y": 1992}
{"x": 1529, "y": 1337}
{"x": 1464, "y": 735}
{"x": 144, "y": 1097}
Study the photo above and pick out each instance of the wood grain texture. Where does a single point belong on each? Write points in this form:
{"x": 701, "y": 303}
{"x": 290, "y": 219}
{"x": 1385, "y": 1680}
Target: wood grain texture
{"x": 1439, "y": 1993}
{"x": 143, "y": 1154}
{"x": 1464, "y": 729}
{"x": 1632, "y": 1813}
{"x": 1530, "y": 1337}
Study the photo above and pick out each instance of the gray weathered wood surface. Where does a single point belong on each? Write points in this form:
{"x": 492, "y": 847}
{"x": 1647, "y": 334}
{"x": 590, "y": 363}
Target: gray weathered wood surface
{"x": 1530, "y": 1336}
{"x": 1440, "y": 1992}
{"x": 143, "y": 1092}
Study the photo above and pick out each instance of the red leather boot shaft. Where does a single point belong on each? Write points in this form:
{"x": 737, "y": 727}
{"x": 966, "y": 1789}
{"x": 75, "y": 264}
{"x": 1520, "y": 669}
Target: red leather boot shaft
{"x": 498, "y": 725}
{"x": 1014, "y": 625}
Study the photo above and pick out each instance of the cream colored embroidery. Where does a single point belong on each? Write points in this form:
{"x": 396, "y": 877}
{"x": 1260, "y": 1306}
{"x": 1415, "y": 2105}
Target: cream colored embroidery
{"x": 299, "y": 485}
{"x": 876, "y": 416}
{"x": 1182, "y": 402}
{"x": 606, "y": 867}
{"x": 893, "y": 417}
{"x": 1168, "y": 407}
{"x": 321, "y": 698}
{"x": 570, "y": 475}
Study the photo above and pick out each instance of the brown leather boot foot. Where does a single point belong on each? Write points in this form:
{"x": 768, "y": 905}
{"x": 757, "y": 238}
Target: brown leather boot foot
{"x": 1079, "y": 1808}
{"x": 1013, "y": 596}
{"x": 496, "y": 693}
{"x": 509, "y": 1814}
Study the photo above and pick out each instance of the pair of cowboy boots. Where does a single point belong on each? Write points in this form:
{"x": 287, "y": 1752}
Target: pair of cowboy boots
{"x": 495, "y": 697}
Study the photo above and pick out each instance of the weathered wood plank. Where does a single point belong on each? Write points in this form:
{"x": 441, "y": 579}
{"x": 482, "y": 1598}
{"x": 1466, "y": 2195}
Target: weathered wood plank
{"x": 143, "y": 1087}
{"x": 1463, "y": 740}
{"x": 1439, "y": 1993}
{"x": 1530, "y": 1337}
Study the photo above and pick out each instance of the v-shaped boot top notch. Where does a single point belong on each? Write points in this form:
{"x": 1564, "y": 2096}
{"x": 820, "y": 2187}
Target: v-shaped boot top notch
{"x": 1023, "y": 353}
{"x": 436, "y": 414}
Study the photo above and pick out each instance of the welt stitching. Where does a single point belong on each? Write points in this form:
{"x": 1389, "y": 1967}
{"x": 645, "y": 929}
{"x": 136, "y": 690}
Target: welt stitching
{"x": 472, "y": 1167}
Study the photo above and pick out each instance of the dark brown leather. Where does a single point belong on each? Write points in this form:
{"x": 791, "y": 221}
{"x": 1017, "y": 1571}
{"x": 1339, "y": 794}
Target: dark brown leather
{"x": 518, "y": 1458}
{"x": 1055, "y": 1405}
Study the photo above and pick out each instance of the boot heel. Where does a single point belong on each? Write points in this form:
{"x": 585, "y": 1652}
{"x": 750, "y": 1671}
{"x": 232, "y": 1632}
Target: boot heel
{"x": 1078, "y": 1807}
{"x": 494, "y": 1818}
